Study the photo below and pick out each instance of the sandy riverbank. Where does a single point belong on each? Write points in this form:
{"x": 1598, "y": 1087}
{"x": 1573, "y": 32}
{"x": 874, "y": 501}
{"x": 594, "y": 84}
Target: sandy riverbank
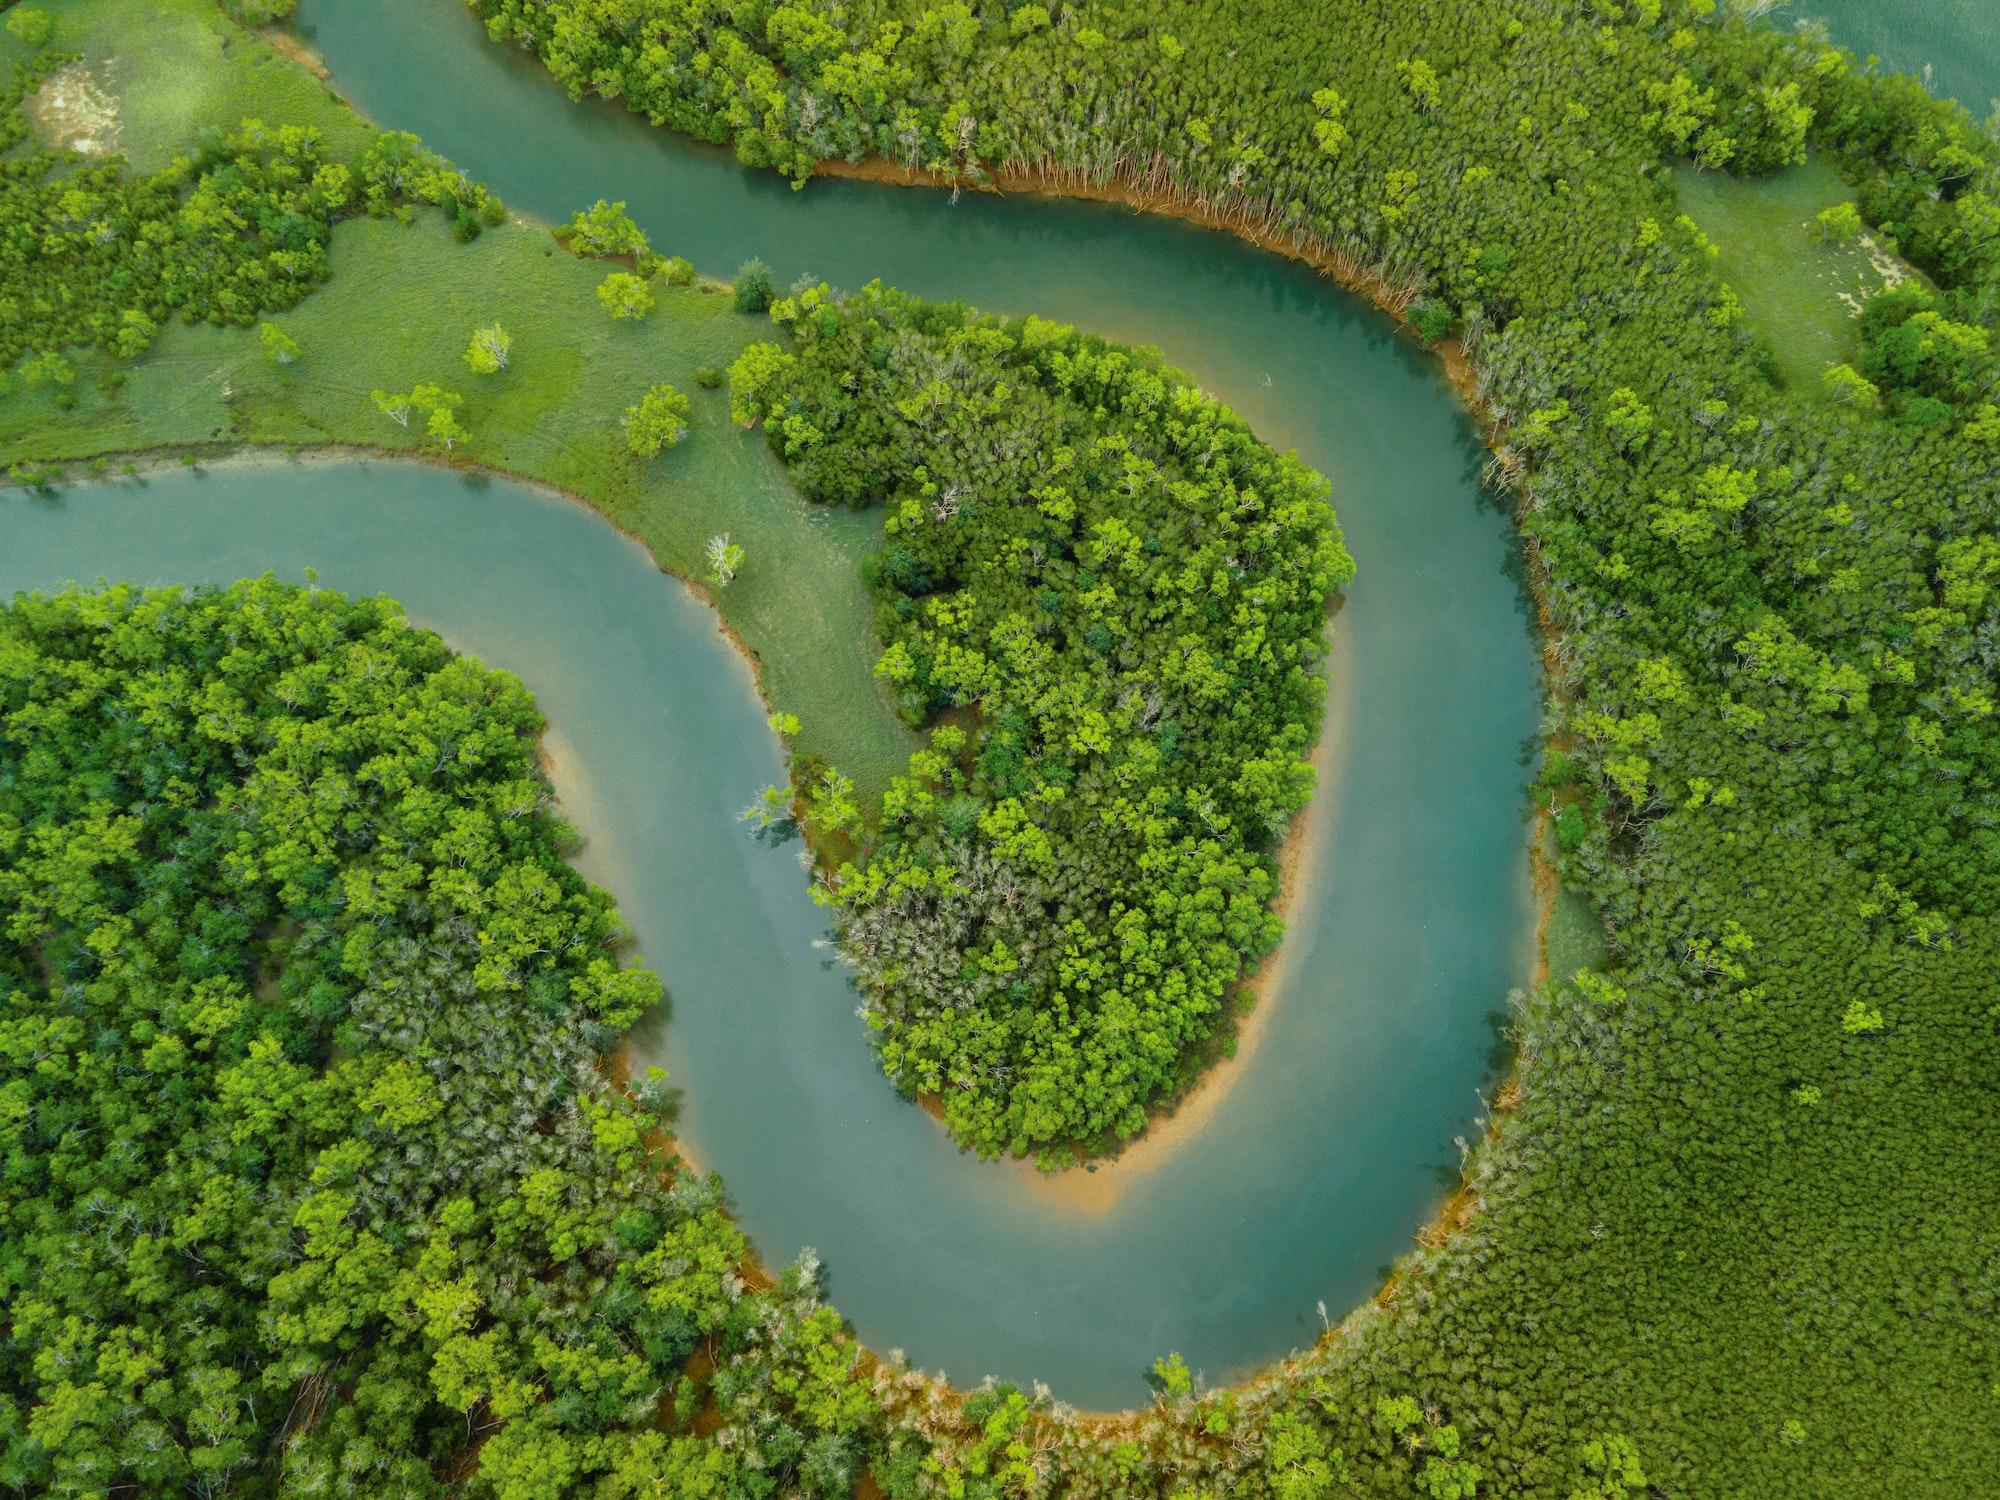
{"x": 1174, "y": 1125}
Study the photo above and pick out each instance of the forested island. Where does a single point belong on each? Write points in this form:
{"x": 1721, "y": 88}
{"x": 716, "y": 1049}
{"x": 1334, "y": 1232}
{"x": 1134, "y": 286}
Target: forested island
{"x": 320, "y": 1177}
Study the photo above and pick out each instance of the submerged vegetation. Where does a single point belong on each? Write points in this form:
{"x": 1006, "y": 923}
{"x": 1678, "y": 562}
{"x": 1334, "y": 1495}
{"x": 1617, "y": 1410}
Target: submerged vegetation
{"x": 1736, "y": 1227}
{"x": 1131, "y": 592}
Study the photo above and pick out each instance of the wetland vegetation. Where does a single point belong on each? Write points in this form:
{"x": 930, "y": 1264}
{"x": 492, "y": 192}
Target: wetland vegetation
{"x": 253, "y": 835}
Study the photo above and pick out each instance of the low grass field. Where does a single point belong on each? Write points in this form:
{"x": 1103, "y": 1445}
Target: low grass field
{"x": 218, "y": 75}
{"x": 1804, "y": 296}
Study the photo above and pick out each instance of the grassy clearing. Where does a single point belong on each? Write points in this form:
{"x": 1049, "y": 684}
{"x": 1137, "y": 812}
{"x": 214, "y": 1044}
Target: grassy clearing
{"x": 400, "y": 306}
{"x": 1801, "y": 294}
{"x": 176, "y": 66}
{"x": 1574, "y": 938}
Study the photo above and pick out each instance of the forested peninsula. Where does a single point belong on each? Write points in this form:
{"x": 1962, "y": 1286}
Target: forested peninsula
{"x": 1131, "y": 591}
{"x": 313, "y": 1182}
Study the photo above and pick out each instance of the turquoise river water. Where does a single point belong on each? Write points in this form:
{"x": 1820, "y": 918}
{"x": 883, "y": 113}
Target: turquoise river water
{"x": 1954, "y": 45}
{"x": 1335, "y": 1138}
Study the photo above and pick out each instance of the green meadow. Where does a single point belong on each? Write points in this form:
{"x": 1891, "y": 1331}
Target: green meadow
{"x": 1802, "y": 294}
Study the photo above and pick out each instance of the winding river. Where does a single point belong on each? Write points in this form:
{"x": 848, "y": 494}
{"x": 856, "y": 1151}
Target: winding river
{"x": 1334, "y": 1140}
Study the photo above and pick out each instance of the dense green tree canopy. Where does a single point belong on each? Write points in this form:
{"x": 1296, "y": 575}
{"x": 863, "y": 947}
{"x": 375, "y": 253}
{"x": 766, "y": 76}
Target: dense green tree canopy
{"x": 311, "y": 1182}
{"x": 1734, "y": 1238}
{"x": 1128, "y": 593}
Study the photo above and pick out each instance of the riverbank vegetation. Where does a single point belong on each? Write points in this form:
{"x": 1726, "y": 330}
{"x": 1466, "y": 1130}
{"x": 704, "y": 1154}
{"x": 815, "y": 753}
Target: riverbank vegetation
{"x": 1737, "y": 1226}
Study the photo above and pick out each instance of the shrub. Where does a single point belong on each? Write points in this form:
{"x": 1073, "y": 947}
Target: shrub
{"x": 754, "y": 287}
{"x": 32, "y": 25}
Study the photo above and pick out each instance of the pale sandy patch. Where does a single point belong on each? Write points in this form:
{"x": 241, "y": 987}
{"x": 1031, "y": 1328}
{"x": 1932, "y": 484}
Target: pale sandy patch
{"x": 72, "y": 113}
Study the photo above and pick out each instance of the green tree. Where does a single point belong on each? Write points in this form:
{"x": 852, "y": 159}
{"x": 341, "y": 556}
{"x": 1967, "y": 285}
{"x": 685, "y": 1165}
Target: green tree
{"x": 279, "y": 346}
{"x": 657, "y": 421}
{"x": 625, "y": 295}
{"x": 136, "y": 332}
{"x": 725, "y": 560}
{"x": 1171, "y": 1377}
{"x": 605, "y": 230}
{"x": 32, "y": 25}
{"x": 754, "y": 287}
{"x": 394, "y": 405}
{"x": 46, "y": 369}
{"x": 1837, "y": 225}
{"x": 1611, "y": 1469}
{"x": 487, "y": 353}
{"x": 444, "y": 427}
